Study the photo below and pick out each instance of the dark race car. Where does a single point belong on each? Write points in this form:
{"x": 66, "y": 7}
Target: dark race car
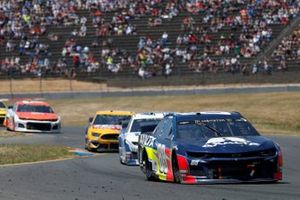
{"x": 208, "y": 147}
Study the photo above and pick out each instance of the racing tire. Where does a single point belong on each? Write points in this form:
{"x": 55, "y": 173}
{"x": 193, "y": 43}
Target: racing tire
{"x": 85, "y": 145}
{"x": 122, "y": 163}
{"x": 175, "y": 169}
{"x": 120, "y": 154}
{"x": 150, "y": 176}
{"x": 93, "y": 150}
{"x": 13, "y": 128}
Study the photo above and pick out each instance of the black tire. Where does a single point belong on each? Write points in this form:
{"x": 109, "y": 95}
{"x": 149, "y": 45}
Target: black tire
{"x": 86, "y": 145}
{"x": 150, "y": 176}
{"x": 120, "y": 154}
{"x": 175, "y": 169}
{"x": 8, "y": 129}
{"x": 121, "y": 160}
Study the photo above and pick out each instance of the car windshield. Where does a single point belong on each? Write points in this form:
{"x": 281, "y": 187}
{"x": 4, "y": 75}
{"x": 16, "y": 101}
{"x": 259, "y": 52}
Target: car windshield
{"x": 2, "y": 105}
{"x": 110, "y": 119}
{"x": 204, "y": 129}
{"x": 138, "y": 123}
{"x": 34, "y": 108}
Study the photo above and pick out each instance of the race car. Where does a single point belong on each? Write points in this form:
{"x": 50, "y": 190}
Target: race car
{"x": 2, "y": 112}
{"x": 128, "y": 138}
{"x": 104, "y": 128}
{"x": 208, "y": 147}
{"x": 32, "y": 116}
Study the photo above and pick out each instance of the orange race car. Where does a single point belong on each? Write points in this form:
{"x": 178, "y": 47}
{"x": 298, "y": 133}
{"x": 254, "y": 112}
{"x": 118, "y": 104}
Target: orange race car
{"x": 32, "y": 116}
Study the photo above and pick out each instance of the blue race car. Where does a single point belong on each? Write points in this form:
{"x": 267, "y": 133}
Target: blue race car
{"x": 208, "y": 147}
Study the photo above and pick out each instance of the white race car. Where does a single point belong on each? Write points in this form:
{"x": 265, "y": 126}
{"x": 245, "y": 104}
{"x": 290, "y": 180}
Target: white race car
{"x": 32, "y": 116}
{"x": 128, "y": 138}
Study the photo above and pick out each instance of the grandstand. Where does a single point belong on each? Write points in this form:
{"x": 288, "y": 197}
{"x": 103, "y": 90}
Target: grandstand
{"x": 102, "y": 39}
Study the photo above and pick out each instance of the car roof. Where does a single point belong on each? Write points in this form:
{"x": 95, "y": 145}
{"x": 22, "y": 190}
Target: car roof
{"x": 114, "y": 112}
{"x": 206, "y": 115}
{"x": 150, "y": 115}
{"x": 30, "y": 102}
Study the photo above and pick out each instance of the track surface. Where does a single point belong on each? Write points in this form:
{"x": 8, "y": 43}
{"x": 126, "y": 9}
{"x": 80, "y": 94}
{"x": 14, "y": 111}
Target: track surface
{"x": 102, "y": 177}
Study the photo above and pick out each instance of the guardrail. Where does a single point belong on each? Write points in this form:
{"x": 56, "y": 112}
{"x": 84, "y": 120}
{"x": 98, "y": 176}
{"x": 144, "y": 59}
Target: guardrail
{"x": 96, "y": 83}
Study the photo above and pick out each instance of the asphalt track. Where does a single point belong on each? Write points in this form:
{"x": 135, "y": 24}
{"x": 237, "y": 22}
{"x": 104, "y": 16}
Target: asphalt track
{"x": 102, "y": 177}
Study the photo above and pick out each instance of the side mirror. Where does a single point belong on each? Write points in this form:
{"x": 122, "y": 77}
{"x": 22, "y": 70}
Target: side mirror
{"x": 91, "y": 119}
{"x": 10, "y": 107}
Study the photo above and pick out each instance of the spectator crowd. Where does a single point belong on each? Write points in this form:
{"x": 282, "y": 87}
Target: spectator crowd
{"x": 288, "y": 50}
{"x": 213, "y": 35}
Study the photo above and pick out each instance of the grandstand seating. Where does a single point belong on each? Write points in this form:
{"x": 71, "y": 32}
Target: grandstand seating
{"x": 129, "y": 42}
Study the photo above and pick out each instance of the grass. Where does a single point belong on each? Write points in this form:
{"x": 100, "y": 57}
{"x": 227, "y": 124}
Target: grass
{"x": 271, "y": 113}
{"x": 47, "y": 85}
{"x": 20, "y": 153}
{"x": 6, "y": 134}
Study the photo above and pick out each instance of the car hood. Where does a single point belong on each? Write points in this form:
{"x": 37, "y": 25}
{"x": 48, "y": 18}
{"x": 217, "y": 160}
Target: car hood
{"x": 228, "y": 144}
{"x": 132, "y": 136}
{"x": 37, "y": 116}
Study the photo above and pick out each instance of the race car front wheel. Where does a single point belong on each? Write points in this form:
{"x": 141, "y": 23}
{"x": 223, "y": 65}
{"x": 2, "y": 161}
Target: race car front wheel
{"x": 148, "y": 168}
{"x": 176, "y": 174}
{"x": 12, "y": 123}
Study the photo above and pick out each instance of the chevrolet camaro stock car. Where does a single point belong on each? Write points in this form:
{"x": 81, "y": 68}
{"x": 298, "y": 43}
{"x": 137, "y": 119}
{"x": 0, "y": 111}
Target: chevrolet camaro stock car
{"x": 208, "y": 147}
{"x": 104, "y": 128}
{"x": 128, "y": 139}
{"x": 32, "y": 116}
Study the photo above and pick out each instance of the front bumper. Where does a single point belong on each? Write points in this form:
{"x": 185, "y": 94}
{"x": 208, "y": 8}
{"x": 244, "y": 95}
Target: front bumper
{"x": 35, "y": 126}
{"x": 230, "y": 170}
{"x": 204, "y": 181}
{"x": 131, "y": 158}
{"x": 131, "y": 153}
{"x": 103, "y": 145}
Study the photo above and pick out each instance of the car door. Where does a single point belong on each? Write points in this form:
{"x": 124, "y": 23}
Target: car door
{"x": 163, "y": 144}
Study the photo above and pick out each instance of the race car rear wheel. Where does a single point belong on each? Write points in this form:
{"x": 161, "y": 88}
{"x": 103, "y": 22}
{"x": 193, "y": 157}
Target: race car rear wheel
{"x": 176, "y": 174}
{"x": 150, "y": 176}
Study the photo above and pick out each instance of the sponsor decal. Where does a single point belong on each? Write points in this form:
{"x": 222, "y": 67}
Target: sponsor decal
{"x": 162, "y": 157}
{"x": 147, "y": 140}
{"x": 194, "y": 162}
{"x": 113, "y": 127}
{"x": 213, "y": 142}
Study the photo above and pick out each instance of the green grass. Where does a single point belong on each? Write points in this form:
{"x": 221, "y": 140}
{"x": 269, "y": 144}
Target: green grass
{"x": 20, "y": 153}
{"x": 271, "y": 113}
{"x": 6, "y": 134}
